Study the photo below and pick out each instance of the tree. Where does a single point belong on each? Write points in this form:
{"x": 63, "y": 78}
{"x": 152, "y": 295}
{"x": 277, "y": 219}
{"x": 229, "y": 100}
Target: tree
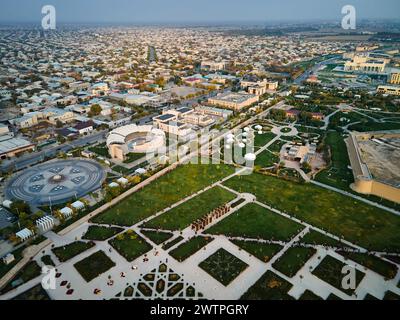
{"x": 95, "y": 110}
{"x": 18, "y": 207}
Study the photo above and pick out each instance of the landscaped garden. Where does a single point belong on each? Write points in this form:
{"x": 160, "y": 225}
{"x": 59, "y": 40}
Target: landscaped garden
{"x": 254, "y": 221}
{"x": 293, "y": 260}
{"x": 358, "y": 222}
{"x": 94, "y": 265}
{"x": 157, "y": 237}
{"x": 30, "y": 271}
{"x": 382, "y": 267}
{"x": 330, "y": 271}
{"x": 71, "y": 250}
{"x": 100, "y": 233}
{"x": 266, "y": 159}
{"x": 262, "y": 251}
{"x": 338, "y": 174}
{"x": 269, "y": 287}
{"x": 190, "y": 247}
{"x": 260, "y": 140}
{"x": 130, "y": 245}
{"x": 183, "y": 215}
{"x": 163, "y": 192}
{"x": 223, "y": 266}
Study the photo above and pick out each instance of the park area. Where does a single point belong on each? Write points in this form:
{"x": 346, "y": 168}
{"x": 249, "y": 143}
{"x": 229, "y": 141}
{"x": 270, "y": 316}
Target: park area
{"x": 355, "y": 221}
{"x": 163, "y": 192}
{"x": 183, "y": 215}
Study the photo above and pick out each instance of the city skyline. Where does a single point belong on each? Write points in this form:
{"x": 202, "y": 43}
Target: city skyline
{"x": 173, "y": 11}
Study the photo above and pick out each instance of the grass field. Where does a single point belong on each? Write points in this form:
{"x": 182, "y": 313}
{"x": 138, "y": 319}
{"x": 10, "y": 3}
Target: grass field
{"x": 163, "y": 192}
{"x": 157, "y": 237}
{"x": 130, "y": 245}
{"x": 384, "y": 268}
{"x": 293, "y": 260}
{"x": 277, "y": 146}
{"x": 375, "y": 126}
{"x": 261, "y": 140}
{"x": 316, "y": 238}
{"x": 30, "y": 271}
{"x": 71, "y": 250}
{"x": 330, "y": 271}
{"x": 338, "y": 174}
{"x": 188, "y": 248}
{"x": 99, "y": 233}
{"x": 94, "y": 265}
{"x": 262, "y": 251}
{"x": 254, "y": 221}
{"x": 269, "y": 287}
{"x": 266, "y": 159}
{"x": 183, "y": 215}
{"x": 223, "y": 266}
{"x": 356, "y": 221}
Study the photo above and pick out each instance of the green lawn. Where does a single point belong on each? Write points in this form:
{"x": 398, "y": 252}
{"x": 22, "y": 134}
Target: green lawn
{"x": 269, "y": 287}
{"x": 71, "y": 250}
{"x": 261, "y": 140}
{"x": 94, "y": 265}
{"x": 262, "y": 251}
{"x": 356, "y": 221}
{"x": 30, "y": 271}
{"x": 386, "y": 269}
{"x": 100, "y": 233}
{"x": 130, "y": 245}
{"x": 309, "y": 295}
{"x": 131, "y": 157}
{"x": 330, "y": 271}
{"x": 223, "y": 266}
{"x": 254, "y": 221}
{"x": 266, "y": 159}
{"x": 277, "y": 146}
{"x": 156, "y": 236}
{"x": 317, "y": 238}
{"x": 338, "y": 174}
{"x": 163, "y": 192}
{"x": 171, "y": 243}
{"x": 375, "y": 126}
{"x": 47, "y": 260}
{"x": 188, "y": 248}
{"x": 101, "y": 150}
{"x": 293, "y": 260}
{"x": 183, "y": 215}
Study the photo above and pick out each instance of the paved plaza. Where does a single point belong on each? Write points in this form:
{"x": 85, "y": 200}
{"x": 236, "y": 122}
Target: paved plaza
{"x": 56, "y": 181}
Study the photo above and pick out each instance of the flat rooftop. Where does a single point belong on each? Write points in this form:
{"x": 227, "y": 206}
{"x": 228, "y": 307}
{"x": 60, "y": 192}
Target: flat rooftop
{"x": 13, "y": 144}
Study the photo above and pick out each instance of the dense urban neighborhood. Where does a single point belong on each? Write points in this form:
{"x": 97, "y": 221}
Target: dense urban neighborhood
{"x": 210, "y": 162}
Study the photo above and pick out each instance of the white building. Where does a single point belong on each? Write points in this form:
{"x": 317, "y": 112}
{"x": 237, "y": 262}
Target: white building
{"x": 45, "y": 223}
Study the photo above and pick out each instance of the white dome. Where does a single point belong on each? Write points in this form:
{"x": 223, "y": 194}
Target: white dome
{"x": 230, "y": 141}
{"x": 250, "y": 157}
{"x": 244, "y": 140}
{"x": 260, "y": 132}
{"x": 245, "y": 134}
{"x": 229, "y": 136}
{"x": 258, "y": 127}
{"x": 247, "y": 129}
{"x": 227, "y": 146}
{"x": 241, "y": 145}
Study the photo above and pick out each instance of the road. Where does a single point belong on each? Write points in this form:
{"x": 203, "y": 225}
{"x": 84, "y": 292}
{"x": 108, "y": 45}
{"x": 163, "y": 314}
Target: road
{"x": 307, "y": 73}
{"x": 36, "y": 157}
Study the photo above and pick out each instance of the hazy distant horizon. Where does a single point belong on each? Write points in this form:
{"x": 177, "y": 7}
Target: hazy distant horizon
{"x": 194, "y": 12}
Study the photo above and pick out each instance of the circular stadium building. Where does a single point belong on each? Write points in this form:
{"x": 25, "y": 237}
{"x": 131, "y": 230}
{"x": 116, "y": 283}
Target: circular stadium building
{"x": 56, "y": 182}
{"x": 134, "y": 139}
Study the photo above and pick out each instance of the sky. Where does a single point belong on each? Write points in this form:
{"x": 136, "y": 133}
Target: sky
{"x": 185, "y": 11}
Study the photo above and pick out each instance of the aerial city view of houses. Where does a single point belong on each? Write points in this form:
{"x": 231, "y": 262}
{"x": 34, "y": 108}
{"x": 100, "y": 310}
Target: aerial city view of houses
{"x": 200, "y": 162}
